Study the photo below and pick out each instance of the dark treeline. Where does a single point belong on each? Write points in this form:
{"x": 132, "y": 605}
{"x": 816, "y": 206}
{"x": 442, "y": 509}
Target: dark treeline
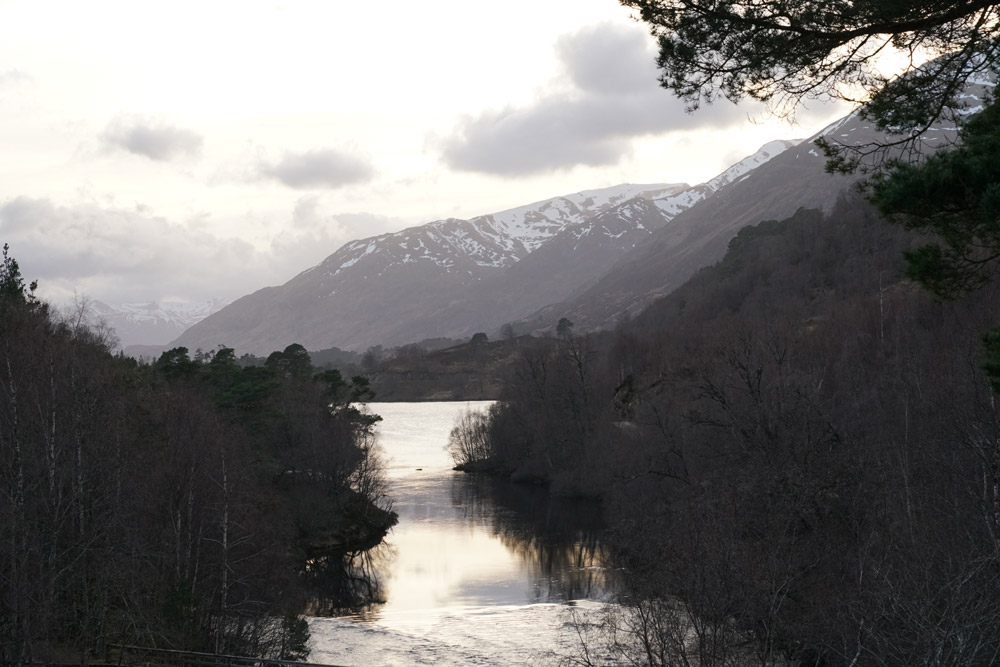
{"x": 173, "y": 505}
{"x": 798, "y": 452}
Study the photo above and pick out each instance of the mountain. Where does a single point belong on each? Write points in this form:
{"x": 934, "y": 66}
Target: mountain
{"x": 579, "y": 255}
{"x": 436, "y": 279}
{"x": 152, "y": 323}
{"x": 455, "y": 277}
{"x": 699, "y": 235}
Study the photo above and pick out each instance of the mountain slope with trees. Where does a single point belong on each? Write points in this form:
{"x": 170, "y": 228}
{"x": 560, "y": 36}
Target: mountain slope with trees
{"x": 698, "y": 236}
{"x": 797, "y": 449}
{"x": 800, "y": 445}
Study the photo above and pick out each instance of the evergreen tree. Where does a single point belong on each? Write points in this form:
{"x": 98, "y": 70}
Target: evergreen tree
{"x": 12, "y": 286}
{"x": 785, "y": 51}
{"x": 955, "y": 195}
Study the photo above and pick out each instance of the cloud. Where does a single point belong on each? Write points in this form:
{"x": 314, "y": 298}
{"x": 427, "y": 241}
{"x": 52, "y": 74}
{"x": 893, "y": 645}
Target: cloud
{"x": 544, "y": 138}
{"x": 308, "y": 213}
{"x": 610, "y": 96}
{"x": 609, "y": 60}
{"x": 14, "y": 76}
{"x": 121, "y": 255}
{"x": 153, "y": 140}
{"x": 314, "y": 234}
{"x": 321, "y": 168}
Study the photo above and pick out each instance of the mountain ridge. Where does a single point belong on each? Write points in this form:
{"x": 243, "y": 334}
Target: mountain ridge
{"x": 699, "y": 235}
{"x": 427, "y": 280}
{"x": 151, "y": 322}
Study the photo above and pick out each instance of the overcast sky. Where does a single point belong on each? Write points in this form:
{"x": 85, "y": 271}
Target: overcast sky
{"x": 196, "y": 150}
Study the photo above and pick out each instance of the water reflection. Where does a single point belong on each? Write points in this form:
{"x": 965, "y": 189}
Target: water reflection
{"x": 557, "y": 540}
{"x": 463, "y": 542}
{"x": 477, "y": 571}
{"x": 345, "y": 584}
{"x": 469, "y": 540}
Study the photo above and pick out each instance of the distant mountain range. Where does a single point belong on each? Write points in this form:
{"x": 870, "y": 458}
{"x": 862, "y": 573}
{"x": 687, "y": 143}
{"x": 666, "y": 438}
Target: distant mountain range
{"x": 456, "y": 277}
{"x": 699, "y": 235}
{"x": 152, "y": 323}
{"x": 593, "y": 257}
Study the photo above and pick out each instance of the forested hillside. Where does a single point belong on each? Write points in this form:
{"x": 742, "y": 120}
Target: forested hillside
{"x": 798, "y": 449}
{"x": 172, "y": 505}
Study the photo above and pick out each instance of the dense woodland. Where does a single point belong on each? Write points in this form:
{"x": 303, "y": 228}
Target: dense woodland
{"x": 799, "y": 452}
{"x": 184, "y": 504}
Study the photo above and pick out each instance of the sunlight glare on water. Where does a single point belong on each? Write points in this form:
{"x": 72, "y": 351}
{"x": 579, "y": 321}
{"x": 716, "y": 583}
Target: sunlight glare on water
{"x": 539, "y": 634}
{"x": 465, "y": 581}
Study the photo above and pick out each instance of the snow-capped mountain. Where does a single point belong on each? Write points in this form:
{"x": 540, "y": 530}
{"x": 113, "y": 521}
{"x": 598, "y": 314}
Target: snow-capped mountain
{"x": 742, "y": 169}
{"x": 574, "y": 258}
{"x": 152, "y": 323}
{"x": 771, "y": 185}
{"x": 591, "y": 256}
{"x": 454, "y": 277}
{"x": 681, "y": 201}
{"x": 494, "y": 241}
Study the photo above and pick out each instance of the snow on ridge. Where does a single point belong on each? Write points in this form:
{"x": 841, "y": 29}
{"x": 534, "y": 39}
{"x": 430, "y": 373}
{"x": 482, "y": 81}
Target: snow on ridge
{"x": 178, "y": 312}
{"x": 477, "y": 240}
{"x": 604, "y": 198}
{"x": 502, "y": 239}
{"x": 493, "y": 240}
{"x": 675, "y": 204}
{"x": 678, "y": 202}
{"x": 834, "y": 126}
{"x": 982, "y": 80}
{"x": 535, "y": 223}
{"x": 764, "y": 154}
{"x": 372, "y": 247}
{"x": 440, "y": 242}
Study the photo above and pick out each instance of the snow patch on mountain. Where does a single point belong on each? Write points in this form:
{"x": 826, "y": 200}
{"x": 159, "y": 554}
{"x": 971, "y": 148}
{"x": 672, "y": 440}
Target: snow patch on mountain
{"x": 742, "y": 169}
{"x": 495, "y": 241}
{"x": 153, "y": 322}
{"x": 622, "y": 226}
{"x": 675, "y": 203}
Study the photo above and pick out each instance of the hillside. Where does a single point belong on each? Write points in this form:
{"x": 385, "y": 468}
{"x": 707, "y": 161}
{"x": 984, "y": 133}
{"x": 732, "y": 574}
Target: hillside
{"x": 797, "y": 422}
{"x": 592, "y": 257}
{"x": 467, "y": 372}
{"x": 699, "y": 236}
{"x": 413, "y": 284}
{"x": 455, "y": 277}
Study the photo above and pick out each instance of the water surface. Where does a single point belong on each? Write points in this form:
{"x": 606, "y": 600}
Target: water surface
{"x": 478, "y": 571}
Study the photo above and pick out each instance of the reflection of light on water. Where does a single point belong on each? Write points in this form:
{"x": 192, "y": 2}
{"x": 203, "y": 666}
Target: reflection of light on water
{"x": 343, "y": 585}
{"x": 442, "y": 559}
{"x": 464, "y": 581}
{"x": 414, "y": 435}
{"x": 436, "y": 567}
{"x": 536, "y": 634}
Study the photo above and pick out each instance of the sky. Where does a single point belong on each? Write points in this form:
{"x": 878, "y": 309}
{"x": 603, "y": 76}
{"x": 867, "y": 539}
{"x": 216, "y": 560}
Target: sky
{"x": 188, "y": 151}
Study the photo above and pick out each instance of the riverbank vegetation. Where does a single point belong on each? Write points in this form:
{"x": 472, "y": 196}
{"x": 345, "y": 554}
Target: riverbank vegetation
{"x": 470, "y": 371}
{"x": 468, "y": 442}
{"x": 798, "y": 451}
{"x": 172, "y": 505}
